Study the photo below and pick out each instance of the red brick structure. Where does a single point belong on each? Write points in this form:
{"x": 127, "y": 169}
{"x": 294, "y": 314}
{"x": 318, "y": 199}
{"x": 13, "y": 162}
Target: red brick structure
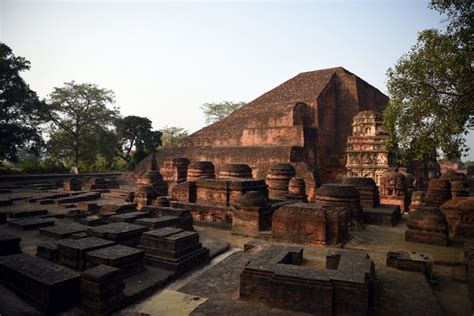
{"x": 175, "y": 169}
{"x": 345, "y": 198}
{"x": 251, "y": 215}
{"x": 366, "y": 153}
{"x": 459, "y": 184}
{"x": 201, "y": 170}
{"x": 150, "y": 184}
{"x": 459, "y": 213}
{"x": 276, "y": 277}
{"x": 278, "y": 179}
{"x": 297, "y": 189}
{"x": 212, "y": 200}
{"x": 304, "y": 121}
{"x": 310, "y": 223}
{"x": 439, "y": 191}
{"x": 393, "y": 189}
{"x": 230, "y": 171}
{"x": 417, "y": 200}
{"x": 428, "y": 226}
{"x": 369, "y": 193}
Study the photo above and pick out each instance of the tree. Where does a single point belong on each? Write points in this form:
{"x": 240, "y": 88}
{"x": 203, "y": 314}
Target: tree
{"x": 80, "y": 115}
{"x": 215, "y": 112}
{"x": 172, "y": 136}
{"x": 19, "y": 108}
{"x": 431, "y": 89}
{"x": 136, "y": 132}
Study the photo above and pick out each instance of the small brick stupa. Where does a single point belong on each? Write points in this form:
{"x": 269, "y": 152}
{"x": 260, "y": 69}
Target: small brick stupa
{"x": 393, "y": 189}
{"x": 343, "y": 197}
{"x": 150, "y": 185}
{"x": 428, "y": 226}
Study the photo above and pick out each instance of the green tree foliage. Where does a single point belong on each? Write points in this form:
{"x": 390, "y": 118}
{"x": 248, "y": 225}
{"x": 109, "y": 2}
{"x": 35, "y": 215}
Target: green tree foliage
{"x": 19, "y": 108}
{"x": 136, "y": 132}
{"x": 217, "y": 111}
{"x": 172, "y": 136}
{"x": 431, "y": 89}
{"x": 82, "y": 123}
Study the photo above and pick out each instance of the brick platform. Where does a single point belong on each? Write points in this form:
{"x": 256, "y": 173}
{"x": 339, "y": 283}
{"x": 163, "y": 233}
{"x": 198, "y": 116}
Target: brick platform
{"x": 122, "y": 233}
{"x": 102, "y": 290}
{"x": 48, "y": 251}
{"x": 63, "y": 231}
{"x": 129, "y": 260}
{"x": 91, "y": 221}
{"x": 411, "y": 261}
{"x": 51, "y": 286}
{"x": 160, "y": 222}
{"x": 185, "y": 217}
{"x": 384, "y": 215}
{"x": 30, "y": 223}
{"x": 26, "y": 213}
{"x": 173, "y": 249}
{"x": 276, "y": 278}
{"x": 310, "y": 223}
{"x": 72, "y": 252}
{"x": 128, "y": 217}
{"x": 9, "y": 245}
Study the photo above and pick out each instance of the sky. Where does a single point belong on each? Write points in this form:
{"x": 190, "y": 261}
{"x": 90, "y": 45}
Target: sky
{"x": 164, "y": 60}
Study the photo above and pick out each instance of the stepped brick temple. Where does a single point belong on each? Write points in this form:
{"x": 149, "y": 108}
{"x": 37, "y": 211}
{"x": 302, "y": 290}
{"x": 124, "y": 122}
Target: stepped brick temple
{"x": 304, "y": 121}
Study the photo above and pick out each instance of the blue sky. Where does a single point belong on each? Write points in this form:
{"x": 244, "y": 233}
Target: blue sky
{"x": 164, "y": 59}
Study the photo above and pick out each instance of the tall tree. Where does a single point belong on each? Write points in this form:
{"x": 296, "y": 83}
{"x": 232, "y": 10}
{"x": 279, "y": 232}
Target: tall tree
{"x": 19, "y": 108}
{"x": 136, "y": 132}
{"x": 172, "y": 136}
{"x": 80, "y": 113}
{"x": 432, "y": 89}
{"x": 217, "y": 111}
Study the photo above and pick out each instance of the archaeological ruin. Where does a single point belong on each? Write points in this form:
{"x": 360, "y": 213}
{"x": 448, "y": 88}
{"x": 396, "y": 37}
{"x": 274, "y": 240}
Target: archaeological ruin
{"x": 219, "y": 225}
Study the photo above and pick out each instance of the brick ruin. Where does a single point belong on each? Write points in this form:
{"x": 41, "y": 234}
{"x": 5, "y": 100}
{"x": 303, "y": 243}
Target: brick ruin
{"x": 275, "y": 170}
{"x": 393, "y": 189}
{"x": 277, "y": 278}
{"x": 411, "y": 261}
{"x": 374, "y": 212}
{"x": 311, "y": 224}
{"x": 251, "y": 215}
{"x": 427, "y": 225}
{"x": 459, "y": 213}
{"x": 366, "y": 153}
{"x": 345, "y": 198}
{"x": 304, "y": 121}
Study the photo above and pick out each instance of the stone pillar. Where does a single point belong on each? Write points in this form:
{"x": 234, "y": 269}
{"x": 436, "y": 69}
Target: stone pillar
{"x": 230, "y": 171}
{"x": 343, "y": 197}
{"x": 278, "y": 179}
{"x": 201, "y": 170}
{"x": 251, "y": 215}
{"x": 369, "y": 193}
{"x": 297, "y": 189}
